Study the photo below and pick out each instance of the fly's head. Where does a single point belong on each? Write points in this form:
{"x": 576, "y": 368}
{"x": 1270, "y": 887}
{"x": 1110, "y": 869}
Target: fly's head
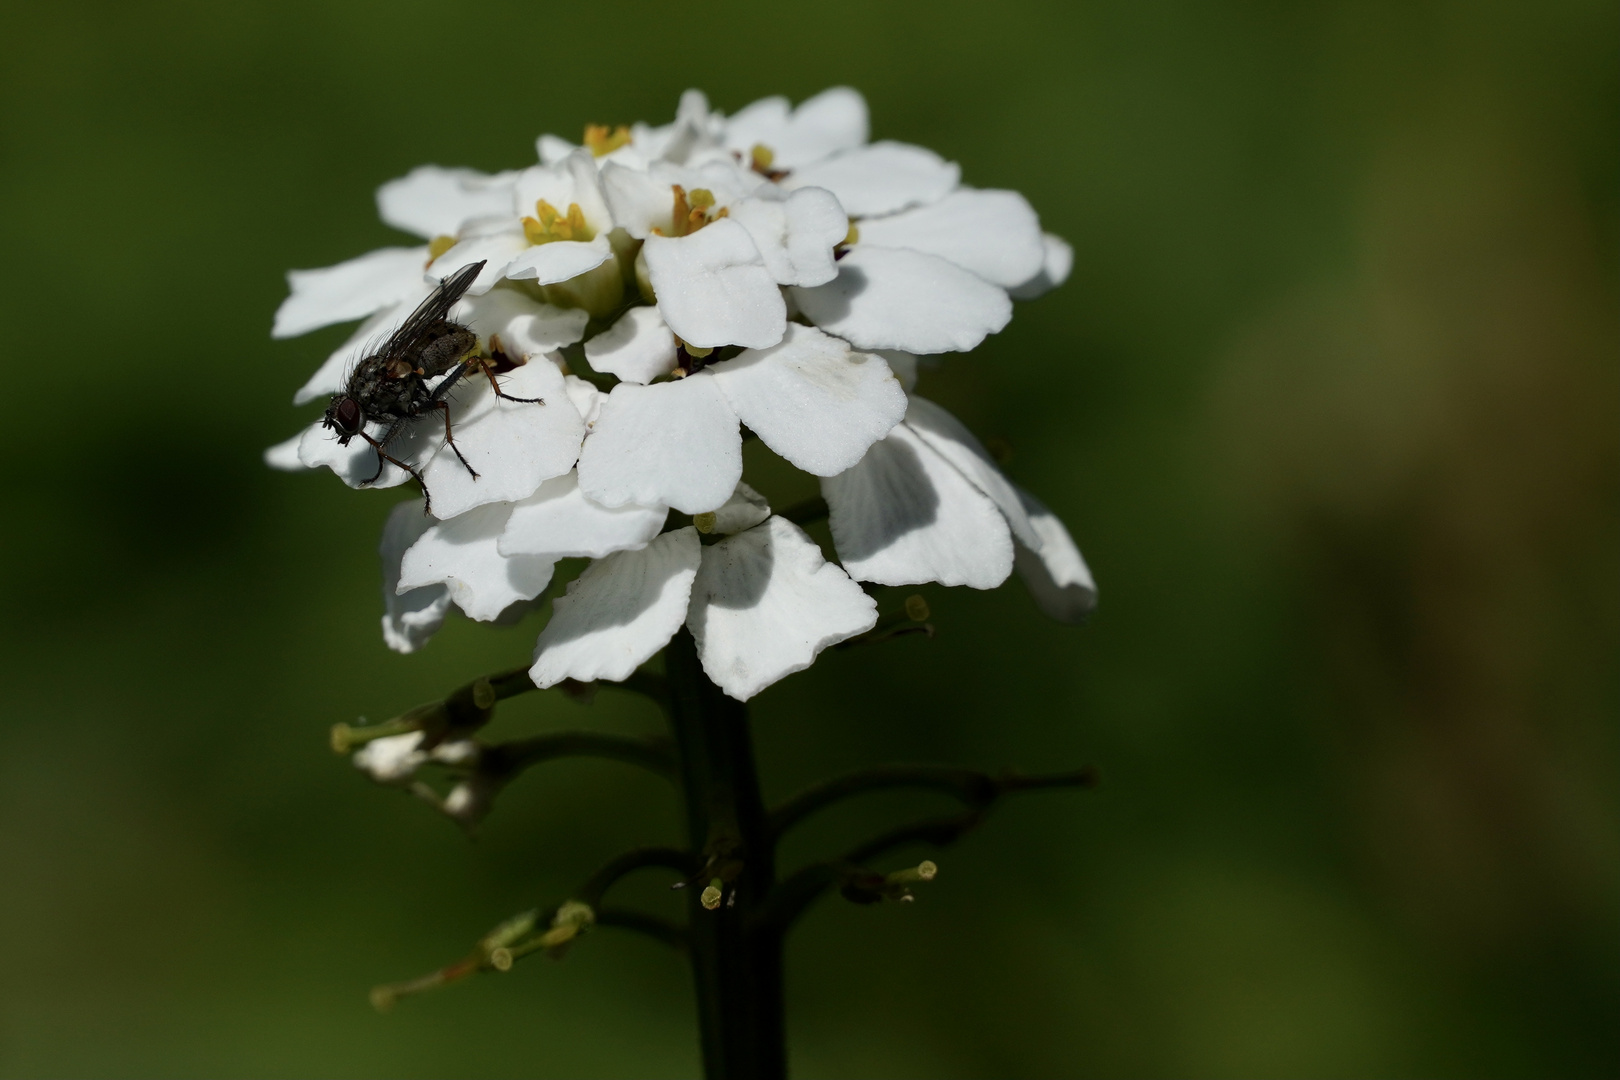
{"x": 345, "y": 417}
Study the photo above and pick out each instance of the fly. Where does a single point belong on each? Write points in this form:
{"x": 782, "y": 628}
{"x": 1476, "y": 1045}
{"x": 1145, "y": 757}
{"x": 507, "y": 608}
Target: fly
{"x": 391, "y": 385}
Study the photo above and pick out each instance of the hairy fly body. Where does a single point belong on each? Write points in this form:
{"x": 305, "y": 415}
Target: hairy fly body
{"x": 390, "y": 386}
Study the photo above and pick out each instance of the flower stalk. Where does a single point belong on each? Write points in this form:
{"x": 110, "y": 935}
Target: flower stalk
{"x": 736, "y": 957}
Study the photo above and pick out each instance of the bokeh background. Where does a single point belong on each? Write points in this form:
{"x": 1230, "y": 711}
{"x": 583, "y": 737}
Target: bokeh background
{"x": 1329, "y": 402}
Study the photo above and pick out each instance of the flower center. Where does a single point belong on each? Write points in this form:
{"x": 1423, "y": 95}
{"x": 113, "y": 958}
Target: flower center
{"x": 760, "y": 159}
{"x": 549, "y": 225}
{"x": 693, "y": 210}
{"x": 841, "y": 248}
{"x": 601, "y": 139}
{"x": 439, "y": 245}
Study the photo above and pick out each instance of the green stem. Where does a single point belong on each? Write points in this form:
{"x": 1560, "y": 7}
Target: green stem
{"x": 980, "y": 793}
{"x": 736, "y": 957}
{"x": 969, "y": 785}
{"x": 509, "y": 758}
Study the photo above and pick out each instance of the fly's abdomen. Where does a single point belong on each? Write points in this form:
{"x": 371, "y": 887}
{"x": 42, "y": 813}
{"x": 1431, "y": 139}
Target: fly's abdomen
{"x": 442, "y": 347}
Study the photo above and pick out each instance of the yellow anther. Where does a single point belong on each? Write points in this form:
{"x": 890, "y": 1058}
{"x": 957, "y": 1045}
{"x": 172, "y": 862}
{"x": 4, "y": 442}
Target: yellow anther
{"x": 549, "y": 225}
{"x": 704, "y": 523}
{"x": 439, "y": 245}
{"x": 853, "y": 236}
{"x": 691, "y": 211}
{"x": 711, "y": 896}
{"x": 601, "y": 139}
{"x": 916, "y": 608}
{"x": 926, "y": 870}
{"x": 761, "y": 156}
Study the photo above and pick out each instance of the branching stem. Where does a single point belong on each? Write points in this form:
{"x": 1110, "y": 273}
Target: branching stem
{"x": 509, "y": 758}
{"x": 979, "y": 791}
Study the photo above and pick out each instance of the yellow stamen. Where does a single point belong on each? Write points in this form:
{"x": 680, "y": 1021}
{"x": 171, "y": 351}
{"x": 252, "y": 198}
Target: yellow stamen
{"x": 439, "y": 245}
{"x": 692, "y": 211}
{"x": 604, "y": 140}
{"x": 548, "y": 225}
{"x": 762, "y": 157}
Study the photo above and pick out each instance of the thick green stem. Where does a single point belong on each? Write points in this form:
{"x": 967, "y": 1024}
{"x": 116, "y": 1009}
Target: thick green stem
{"x": 736, "y": 957}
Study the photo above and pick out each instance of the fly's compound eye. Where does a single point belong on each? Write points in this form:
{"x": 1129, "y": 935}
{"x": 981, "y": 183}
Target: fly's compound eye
{"x": 346, "y": 417}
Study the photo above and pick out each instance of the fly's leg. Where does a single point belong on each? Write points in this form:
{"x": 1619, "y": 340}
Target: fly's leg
{"x": 451, "y": 439}
{"x": 495, "y": 386}
{"x": 379, "y": 445}
{"x": 384, "y": 456}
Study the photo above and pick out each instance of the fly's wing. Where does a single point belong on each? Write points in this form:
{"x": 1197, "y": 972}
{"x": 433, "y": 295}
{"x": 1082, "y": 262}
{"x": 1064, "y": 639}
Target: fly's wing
{"x": 430, "y": 313}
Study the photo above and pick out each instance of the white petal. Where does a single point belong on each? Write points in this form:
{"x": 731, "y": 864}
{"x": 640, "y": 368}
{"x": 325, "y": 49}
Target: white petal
{"x": 559, "y": 260}
{"x": 349, "y": 290}
{"x": 881, "y": 178}
{"x": 995, "y": 234}
{"x": 619, "y": 612}
{"x": 512, "y": 445}
{"x": 1057, "y": 576}
{"x": 795, "y": 236}
{"x": 434, "y": 201}
{"x": 763, "y": 121}
{"x": 410, "y": 618}
{"x": 494, "y": 249}
{"x": 356, "y": 463}
{"x": 553, "y": 149}
{"x": 951, "y": 439}
{"x": 670, "y": 444}
{"x": 525, "y": 326}
{"x": 572, "y": 181}
{"x": 392, "y": 759}
{"x": 831, "y": 121}
{"x": 713, "y": 288}
{"x": 331, "y": 375}
{"x": 284, "y": 455}
{"x": 642, "y": 200}
{"x": 745, "y": 509}
{"x": 461, "y": 553}
{"x": 905, "y": 515}
{"x": 587, "y": 399}
{"x": 558, "y": 521}
{"x": 638, "y": 202}
{"x": 695, "y": 128}
{"x": 638, "y": 348}
{"x": 765, "y": 603}
{"x": 1055, "y": 267}
{"x": 812, "y": 400}
{"x": 889, "y": 298}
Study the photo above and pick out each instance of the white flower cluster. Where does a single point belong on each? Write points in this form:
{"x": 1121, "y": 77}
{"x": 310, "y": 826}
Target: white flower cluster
{"x": 773, "y": 269}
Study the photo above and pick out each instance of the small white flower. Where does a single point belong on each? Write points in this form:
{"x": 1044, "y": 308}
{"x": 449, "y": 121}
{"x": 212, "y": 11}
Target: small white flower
{"x": 810, "y": 398}
{"x": 832, "y": 121}
{"x": 761, "y": 603}
{"x": 556, "y": 230}
{"x": 929, "y": 504}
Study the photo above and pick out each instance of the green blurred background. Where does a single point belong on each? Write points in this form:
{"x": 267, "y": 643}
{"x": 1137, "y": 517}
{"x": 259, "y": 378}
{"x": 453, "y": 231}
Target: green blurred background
{"x": 1329, "y": 403}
